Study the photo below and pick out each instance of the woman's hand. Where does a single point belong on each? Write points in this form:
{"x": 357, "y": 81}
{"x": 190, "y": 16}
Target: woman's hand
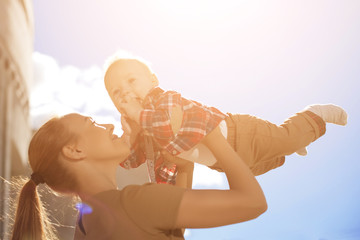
{"x": 180, "y": 163}
{"x": 185, "y": 170}
{"x": 130, "y": 129}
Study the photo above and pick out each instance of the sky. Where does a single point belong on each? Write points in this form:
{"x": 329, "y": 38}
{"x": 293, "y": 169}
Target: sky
{"x": 266, "y": 58}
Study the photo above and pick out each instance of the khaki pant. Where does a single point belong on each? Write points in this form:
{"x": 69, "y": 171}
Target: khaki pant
{"x": 264, "y": 145}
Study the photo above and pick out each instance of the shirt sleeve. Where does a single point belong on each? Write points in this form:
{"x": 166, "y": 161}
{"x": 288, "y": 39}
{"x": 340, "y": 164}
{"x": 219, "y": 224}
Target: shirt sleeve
{"x": 198, "y": 120}
{"x": 153, "y": 207}
{"x": 156, "y": 122}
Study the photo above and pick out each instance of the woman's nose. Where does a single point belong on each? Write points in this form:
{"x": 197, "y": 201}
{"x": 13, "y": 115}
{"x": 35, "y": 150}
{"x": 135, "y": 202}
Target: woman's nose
{"x": 109, "y": 126}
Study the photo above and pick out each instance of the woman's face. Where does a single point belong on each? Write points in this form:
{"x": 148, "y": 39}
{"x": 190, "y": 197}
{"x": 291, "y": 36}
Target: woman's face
{"x": 97, "y": 141}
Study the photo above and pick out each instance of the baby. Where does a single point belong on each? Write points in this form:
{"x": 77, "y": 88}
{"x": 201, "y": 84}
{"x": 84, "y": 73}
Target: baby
{"x": 178, "y": 125}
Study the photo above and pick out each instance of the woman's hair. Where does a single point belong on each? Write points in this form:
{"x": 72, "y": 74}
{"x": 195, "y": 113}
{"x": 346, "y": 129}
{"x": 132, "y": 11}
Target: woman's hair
{"x": 31, "y": 221}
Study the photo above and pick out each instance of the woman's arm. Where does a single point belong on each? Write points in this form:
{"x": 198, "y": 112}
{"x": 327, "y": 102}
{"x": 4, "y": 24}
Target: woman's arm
{"x": 184, "y": 176}
{"x": 185, "y": 168}
{"x": 211, "y": 208}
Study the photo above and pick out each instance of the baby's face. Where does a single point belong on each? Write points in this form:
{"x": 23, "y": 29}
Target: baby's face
{"x": 129, "y": 79}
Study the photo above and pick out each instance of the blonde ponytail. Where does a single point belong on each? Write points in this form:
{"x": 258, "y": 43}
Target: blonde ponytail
{"x": 31, "y": 222}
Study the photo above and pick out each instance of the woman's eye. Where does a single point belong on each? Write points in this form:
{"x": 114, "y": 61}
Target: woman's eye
{"x": 97, "y": 124}
{"x": 92, "y": 121}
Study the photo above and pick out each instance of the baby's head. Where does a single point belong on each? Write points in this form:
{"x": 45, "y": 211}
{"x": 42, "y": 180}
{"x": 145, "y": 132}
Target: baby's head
{"x": 129, "y": 77}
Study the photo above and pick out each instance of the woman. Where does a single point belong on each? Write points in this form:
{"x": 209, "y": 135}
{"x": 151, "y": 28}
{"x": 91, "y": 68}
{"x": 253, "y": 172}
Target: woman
{"x": 75, "y": 155}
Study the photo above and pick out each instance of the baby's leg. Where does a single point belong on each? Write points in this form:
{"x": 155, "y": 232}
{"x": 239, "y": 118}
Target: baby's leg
{"x": 263, "y": 145}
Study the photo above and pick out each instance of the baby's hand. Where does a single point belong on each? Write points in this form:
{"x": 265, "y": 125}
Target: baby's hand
{"x": 132, "y": 108}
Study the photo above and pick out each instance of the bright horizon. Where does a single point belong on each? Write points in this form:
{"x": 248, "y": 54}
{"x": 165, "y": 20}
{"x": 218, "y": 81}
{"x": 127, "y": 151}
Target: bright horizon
{"x": 265, "y": 58}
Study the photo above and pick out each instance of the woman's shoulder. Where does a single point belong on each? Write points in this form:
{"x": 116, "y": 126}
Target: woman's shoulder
{"x": 135, "y": 195}
{"x": 149, "y": 191}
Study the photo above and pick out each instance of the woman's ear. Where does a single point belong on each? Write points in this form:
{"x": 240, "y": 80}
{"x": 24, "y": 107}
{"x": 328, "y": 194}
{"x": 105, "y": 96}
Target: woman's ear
{"x": 73, "y": 152}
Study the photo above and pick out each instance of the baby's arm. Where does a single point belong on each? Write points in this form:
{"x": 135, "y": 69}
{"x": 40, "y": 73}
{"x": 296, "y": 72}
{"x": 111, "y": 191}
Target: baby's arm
{"x": 165, "y": 121}
{"x": 173, "y": 116}
{"x": 199, "y": 153}
{"x": 162, "y": 123}
{"x": 176, "y": 118}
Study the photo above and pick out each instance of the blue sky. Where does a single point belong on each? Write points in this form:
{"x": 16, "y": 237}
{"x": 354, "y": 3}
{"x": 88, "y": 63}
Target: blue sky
{"x": 266, "y": 58}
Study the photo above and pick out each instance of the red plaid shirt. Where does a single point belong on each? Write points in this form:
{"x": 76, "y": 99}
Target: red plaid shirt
{"x": 198, "y": 121}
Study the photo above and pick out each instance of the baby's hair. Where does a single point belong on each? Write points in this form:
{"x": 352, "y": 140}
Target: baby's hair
{"x": 125, "y": 55}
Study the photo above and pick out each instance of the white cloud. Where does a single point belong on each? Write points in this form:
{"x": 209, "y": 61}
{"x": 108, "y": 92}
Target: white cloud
{"x": 206, "y": 177}
{"x": 59, "y": 90}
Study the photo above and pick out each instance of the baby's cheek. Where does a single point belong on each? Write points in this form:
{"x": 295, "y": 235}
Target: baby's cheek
{"x": 131, "y": 96}
{"x": 117, "y": 98}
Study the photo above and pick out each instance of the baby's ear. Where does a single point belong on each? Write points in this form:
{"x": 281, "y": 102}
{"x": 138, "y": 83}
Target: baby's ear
{"x": 154, "y": 80}
{"x": 72, "y": 152}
